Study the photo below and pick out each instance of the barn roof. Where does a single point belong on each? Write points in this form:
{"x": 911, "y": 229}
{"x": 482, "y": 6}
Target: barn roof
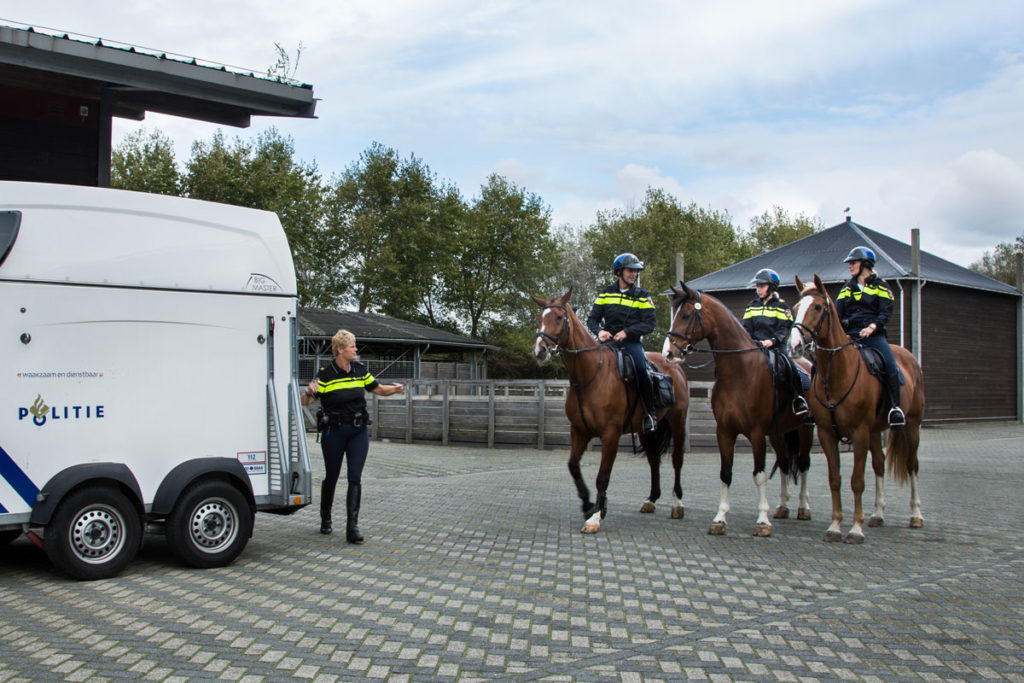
{"x": 823, "y": 253}
{"x": 372, "y": 327}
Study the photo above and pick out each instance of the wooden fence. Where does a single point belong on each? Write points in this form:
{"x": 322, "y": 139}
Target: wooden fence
{"x": 502, "y": 414}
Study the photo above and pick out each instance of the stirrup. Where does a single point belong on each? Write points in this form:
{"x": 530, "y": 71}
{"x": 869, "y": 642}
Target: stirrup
{"x": 799, "y": 406}
{"x": 649, "y": 423}
{"x": 897, "y": 418}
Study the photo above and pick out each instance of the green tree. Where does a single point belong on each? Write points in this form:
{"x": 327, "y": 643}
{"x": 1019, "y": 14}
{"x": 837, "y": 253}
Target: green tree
{"x": 144, "y": 162}
{"x": 658, "y": 230}
{"x": 774, "y": 228}
{"x": 499, "y": 252}
{"x": 1000, "y": 263}
{"x": 266, "y": 176}
{"x": 391, "y": 217}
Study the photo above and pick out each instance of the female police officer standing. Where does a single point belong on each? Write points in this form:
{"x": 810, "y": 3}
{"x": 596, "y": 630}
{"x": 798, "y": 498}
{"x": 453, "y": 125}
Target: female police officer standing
{"x": 341, "y": 386}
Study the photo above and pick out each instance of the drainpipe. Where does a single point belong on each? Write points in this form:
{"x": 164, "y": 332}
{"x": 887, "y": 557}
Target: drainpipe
{"x": 1019, "y": 263}
{"x": 915, "y": 293}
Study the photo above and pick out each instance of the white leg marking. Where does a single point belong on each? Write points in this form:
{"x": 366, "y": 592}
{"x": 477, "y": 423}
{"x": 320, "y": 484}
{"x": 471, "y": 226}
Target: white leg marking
{"x": 761, "y": 482}
{"x": 880, "y": 497}
{"x": 723, "y": 504}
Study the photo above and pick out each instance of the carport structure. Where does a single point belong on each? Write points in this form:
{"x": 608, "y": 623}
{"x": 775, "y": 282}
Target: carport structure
{"x": 59, "y": 94}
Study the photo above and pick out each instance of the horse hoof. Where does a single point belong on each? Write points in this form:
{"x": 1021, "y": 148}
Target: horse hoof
{"x": 853, "y": 539}
{"x": 875, "y": 520}
{"x": 833, "y": 536}
{"x": 916, "y": 522}
{"x": 678, "y": 512}
{"x": 590, "y": 528}
{"x": 716, "y": 529}
{"x": 648, "y": 506}
{"x": 781, "y": 512}
{"x": 763, "y": 530}
{"x": 803, "y": 513}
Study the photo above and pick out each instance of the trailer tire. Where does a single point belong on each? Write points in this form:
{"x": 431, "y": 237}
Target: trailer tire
{"x": 209, "y": 525}
{"x": 94, "y": 533}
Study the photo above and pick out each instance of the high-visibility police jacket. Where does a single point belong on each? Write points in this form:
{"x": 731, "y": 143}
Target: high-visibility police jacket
{"x": 344, "y": 393}
{"x": 858, "y": 308}
{"x": 614, "y": 310}
{"x": 768, "y": 319}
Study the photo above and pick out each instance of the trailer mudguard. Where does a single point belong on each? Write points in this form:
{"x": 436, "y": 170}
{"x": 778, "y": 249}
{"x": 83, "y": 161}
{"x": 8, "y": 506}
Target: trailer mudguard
{"x": 66, "y": 480}
{"x": 185, "y": 473}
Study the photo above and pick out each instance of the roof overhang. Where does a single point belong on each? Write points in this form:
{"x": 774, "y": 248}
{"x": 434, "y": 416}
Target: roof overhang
{"x": 141, "y": 81}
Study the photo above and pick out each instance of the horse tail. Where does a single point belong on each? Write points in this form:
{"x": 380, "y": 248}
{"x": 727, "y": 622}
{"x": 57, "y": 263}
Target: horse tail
{"x": 657, "y": 442}
{"x": 789, "y": 461}
{"x": 898, "y": 455}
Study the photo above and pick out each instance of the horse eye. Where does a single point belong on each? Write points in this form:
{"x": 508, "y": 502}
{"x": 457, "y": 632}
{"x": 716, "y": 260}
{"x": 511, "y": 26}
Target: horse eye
{"x": 817, "y": 307}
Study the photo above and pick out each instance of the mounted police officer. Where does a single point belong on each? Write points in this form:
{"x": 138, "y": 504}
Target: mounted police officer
{"x": 624, "y": 313}
{"x": 768, "y": 320}
{"x": 864, "y": 305}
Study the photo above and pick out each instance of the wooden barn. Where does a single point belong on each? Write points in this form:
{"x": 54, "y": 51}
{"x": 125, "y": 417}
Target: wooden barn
{"x": 964, "y": 327}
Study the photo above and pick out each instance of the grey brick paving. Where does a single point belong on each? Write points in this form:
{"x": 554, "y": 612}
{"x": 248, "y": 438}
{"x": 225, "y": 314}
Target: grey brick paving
{"x": 475, "y": 570}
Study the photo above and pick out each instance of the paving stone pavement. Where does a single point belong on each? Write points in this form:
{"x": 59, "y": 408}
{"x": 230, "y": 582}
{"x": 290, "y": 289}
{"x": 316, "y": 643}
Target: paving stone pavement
{"x": 475, "y": 570}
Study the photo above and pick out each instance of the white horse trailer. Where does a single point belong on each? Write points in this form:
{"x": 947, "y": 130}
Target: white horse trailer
{"x": 147, "y": 375}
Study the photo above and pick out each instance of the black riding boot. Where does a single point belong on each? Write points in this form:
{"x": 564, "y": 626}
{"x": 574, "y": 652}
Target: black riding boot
{"x": 352, "y": 534}
{"x": 647, "y": 396}
{"x": 326, "y": 502}
{"x": 896, "y": 416}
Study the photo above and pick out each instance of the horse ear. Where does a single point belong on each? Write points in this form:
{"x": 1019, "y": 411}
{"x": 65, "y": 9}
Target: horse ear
{"x": 818, "y": 284}
{"x": 540, "y": 302}
{"x": 565, "y": 297}
{"x": 799, "y": 283}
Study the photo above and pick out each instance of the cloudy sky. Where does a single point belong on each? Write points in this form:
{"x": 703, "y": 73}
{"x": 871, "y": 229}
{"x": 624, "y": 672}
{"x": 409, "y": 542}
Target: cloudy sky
{"x": 909, "y": 113}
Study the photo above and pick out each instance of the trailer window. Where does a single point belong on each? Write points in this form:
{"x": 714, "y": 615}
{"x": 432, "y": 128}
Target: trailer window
{"x": 9, "y": 222}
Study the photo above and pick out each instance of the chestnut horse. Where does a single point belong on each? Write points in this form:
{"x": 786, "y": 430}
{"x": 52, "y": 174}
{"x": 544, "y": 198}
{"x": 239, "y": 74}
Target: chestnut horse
{"x": 600, "y": 404}
{"x": 848, "y": 403}
{"x": 744, "y": 401}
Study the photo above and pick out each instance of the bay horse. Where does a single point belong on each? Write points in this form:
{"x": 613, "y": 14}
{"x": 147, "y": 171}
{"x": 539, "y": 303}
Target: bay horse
{"x": 744, "y": 401}
{"x": 600, "y": 404}
{"x": 848, "y": 403}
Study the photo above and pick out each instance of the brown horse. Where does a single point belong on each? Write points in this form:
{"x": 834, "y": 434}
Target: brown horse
{"x": 848, "y": 403}
{"x": 744, "y": 401}
{"x": 601, "y": 405}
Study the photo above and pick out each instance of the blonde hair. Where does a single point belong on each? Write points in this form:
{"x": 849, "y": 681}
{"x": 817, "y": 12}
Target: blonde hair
{"x": 341, "y": 340}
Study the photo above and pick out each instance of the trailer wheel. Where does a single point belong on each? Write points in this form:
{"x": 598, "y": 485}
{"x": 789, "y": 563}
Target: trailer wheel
{"x": 209, "y": 525}
{"x": 94, "y": 533}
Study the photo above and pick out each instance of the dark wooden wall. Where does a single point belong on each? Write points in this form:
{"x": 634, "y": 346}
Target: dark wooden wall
{"x": 969, "y": 351}
{"x": 45, "y": 137}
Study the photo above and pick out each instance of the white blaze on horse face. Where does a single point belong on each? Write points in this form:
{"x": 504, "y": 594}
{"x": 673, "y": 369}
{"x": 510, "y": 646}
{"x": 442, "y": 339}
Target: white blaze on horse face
{"x": 540, "y": 350}
{"x": 666, "y": 348}
{"x": 796, "y": 337}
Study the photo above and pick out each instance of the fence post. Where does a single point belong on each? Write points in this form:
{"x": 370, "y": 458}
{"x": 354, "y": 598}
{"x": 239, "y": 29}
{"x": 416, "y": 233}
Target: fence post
{"x": 490, "y": 414}
{"x": 375, "y": 416}
{"x": 541, "y": 393}
{"x": 445, "y": 407}
{"x": 408, "y": 416}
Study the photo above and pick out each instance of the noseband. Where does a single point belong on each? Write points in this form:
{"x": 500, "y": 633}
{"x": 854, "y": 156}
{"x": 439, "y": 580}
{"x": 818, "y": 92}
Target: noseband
{"x": 687, "y": 336}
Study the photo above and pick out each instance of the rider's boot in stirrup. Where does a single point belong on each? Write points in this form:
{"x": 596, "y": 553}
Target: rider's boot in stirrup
{"x": 896, "y": 416}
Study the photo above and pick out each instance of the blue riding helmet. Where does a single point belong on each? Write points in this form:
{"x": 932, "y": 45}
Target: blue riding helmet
{"x": 766, "y": 276}
{"x": 626, "y": 260}
{"x": 862, "y": 254}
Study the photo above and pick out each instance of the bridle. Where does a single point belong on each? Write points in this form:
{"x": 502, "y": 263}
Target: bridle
{"x": 555, "y": 345}
{"x": 697, "y": 323}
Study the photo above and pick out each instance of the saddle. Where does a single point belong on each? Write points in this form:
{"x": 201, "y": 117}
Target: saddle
{"x": 875, "y": 364}
{"x": 664, "y": 396}
{"x": 785, "y": 373}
